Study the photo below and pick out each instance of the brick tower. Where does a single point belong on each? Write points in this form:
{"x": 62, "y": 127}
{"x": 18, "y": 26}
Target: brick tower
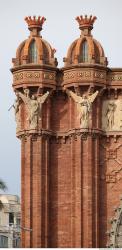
{"x": 70, "y": 126}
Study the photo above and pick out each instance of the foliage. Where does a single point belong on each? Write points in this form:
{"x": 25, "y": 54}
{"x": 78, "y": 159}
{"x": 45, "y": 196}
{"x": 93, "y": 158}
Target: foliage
{"x": 3, "y": 187}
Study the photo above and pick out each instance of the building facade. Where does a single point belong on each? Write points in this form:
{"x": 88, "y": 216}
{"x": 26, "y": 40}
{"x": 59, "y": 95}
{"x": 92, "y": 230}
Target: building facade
{"x": 10, "y": 221}
{"x": 69, "y": 121}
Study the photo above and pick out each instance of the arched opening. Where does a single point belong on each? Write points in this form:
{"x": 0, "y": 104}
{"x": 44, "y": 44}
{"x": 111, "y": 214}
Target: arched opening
{"x": 33, "y": 54}
{"x": 84, "y": 52}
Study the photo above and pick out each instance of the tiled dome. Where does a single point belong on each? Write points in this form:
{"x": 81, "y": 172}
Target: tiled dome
{"x": 35, "y": 50}
{"x": 85, "y": 49}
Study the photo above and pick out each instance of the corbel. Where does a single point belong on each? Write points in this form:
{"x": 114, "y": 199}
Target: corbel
{"x": 109, "y": 93}
{"x": 64, "y": 139}
{"x": 90, "y": 89}
{"x": 108, "y": 138}
{"x": 115, "y": 138}
{"x": 77, "y": 90}
{"x": 102, "y": 91}
{"x": 115, "y": 93}
{"x": 40, "y": 91}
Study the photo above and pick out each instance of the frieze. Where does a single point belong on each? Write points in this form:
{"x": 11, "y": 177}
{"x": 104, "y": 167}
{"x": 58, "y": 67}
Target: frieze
{"x": 84, "y": 75}
{"x": 115, "y": 77}
{"x": 33, "y": 76}
{"x": 100, "y": 75}
{"x": 81, "y": 74}
{"x": 50, "y": 76}
{"x": 19, "y": 76}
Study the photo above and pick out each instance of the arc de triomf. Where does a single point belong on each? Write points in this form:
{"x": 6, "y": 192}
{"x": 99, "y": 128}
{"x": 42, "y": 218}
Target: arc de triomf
{"x": 69, "y": 121}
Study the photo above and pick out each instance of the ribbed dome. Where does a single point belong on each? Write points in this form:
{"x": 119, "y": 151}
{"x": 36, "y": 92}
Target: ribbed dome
{"x": 85, "y": 49}
{"x": 35, "y": 50}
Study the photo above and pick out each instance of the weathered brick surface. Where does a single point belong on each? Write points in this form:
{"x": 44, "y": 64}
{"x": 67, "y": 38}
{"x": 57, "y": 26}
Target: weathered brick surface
{"x": 110, "y": 184}
{"x": 70, "y": 177}
{"x": 67, "y": 196}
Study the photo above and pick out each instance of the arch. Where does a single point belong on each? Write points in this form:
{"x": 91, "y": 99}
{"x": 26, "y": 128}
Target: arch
{"x": 83, "y": 57}
{"x": 79, "y": 48}
{"x": 33, "y": 52}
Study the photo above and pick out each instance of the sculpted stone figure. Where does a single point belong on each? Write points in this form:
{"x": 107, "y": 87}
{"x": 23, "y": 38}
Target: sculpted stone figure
{"x": 16, "y": 107}
{"x": 17, "y": 116}
{"x": 110, "y": 114}
{"x": 84, "y": 105}
{"x": 34, "y": 105}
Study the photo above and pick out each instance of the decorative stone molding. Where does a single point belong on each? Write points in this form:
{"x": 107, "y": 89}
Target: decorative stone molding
{"x": 81, "y": 75}
{"x": 111, "y": 154}
{"x": 61, "y": 136}
{"x": 115, "y": 78}
{"x": 33, "y": 77}
{"x": 113, "y": 174}
{"x": 110, "y": 178}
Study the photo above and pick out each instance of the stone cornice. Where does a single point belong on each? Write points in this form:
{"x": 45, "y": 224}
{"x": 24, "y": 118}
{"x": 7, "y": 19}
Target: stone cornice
{"x": 85, "y": 65}
{"x": 34, "y": 77}
{"x": 115, "y": 69}
{"x": 83, "y": 133}
{"x": 33, "y": 67}
{"x": 51, "y": 77}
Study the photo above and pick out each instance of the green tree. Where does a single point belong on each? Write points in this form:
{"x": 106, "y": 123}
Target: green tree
{"x": 3, "y": 187}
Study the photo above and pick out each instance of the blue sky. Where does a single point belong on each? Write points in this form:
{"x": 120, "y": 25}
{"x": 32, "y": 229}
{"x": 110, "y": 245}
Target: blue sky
{"x": 60, "y": 29}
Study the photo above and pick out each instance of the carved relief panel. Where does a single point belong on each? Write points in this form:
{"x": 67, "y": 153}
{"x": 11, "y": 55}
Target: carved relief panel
{"x": 84, "y": 75}
{"x": 111, "y": 162}
{"x": 34, "y": 77}
{"x": 112, "y": 115}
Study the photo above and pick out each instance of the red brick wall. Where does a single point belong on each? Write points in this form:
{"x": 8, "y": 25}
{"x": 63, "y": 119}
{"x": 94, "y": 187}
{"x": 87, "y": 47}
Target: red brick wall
{"x": 71, "y": 180}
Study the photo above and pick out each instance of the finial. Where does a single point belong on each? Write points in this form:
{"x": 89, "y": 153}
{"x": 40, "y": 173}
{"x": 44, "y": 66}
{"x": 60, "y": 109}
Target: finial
{"x": 86, "y": 23}
{"x": 34, "y": 22}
